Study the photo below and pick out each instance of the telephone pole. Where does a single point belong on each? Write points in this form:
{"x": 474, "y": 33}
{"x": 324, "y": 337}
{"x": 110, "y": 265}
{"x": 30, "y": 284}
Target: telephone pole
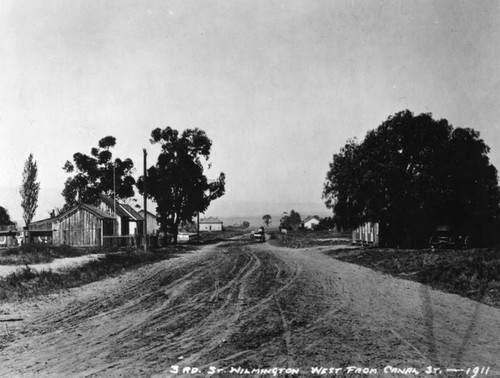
{"x": 145, "y": 222}
{"x": 115, "y": 222}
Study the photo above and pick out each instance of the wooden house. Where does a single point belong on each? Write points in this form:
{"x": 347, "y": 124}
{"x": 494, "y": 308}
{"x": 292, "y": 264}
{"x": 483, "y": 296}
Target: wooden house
{"x": 128, "y": 221}
{"x": 311, "y": 222}
{"x": 210, "y": 224}
{"x": 105, "y": 223}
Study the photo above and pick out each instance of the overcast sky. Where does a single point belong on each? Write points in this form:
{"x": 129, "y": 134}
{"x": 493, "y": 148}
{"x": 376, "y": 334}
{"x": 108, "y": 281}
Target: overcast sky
{"x": 279, "y": 86}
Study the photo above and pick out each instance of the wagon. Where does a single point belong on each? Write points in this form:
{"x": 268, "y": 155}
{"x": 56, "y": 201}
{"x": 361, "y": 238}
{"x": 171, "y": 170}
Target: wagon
{"x": 258, "y": 235}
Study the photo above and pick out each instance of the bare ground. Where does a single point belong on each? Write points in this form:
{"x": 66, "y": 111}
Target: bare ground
{"x": 252, "y": 306}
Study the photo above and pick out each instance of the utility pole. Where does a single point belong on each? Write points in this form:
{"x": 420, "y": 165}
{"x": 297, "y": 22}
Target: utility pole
{"x": 115, "y": 223}
{"x": 145, "y": 226}
{"x": 198, "y": 228}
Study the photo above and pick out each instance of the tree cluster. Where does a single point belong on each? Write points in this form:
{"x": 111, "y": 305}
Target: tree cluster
{"x": 291, "y": 221}
{"x": 412, "y": 174}
{"x": 326, "y": 223}
{"x": 177, "y": 182}
{"x": 98, "y": 174}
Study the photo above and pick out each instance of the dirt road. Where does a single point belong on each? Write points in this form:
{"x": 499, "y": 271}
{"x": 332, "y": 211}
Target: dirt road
{"x": 251, "y": 306}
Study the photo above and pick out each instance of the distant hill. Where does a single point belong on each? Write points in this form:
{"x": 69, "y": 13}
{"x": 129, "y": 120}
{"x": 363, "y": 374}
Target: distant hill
{"x": 235, "y": 212}
{"x": 228, "y": 208}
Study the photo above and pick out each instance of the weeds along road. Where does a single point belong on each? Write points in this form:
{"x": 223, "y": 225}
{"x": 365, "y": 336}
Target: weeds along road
{"x": 254, "y": 306}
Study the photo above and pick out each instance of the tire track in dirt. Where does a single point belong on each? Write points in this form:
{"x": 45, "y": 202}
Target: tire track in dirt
{"x": 248, "y": 305}
{"x": 241, "y": 302}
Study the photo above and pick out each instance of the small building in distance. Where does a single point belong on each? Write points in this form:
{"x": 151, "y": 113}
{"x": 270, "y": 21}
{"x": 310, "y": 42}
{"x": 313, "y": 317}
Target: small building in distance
{"x": 210, "y": 224}
{"x": 311, "y": 222}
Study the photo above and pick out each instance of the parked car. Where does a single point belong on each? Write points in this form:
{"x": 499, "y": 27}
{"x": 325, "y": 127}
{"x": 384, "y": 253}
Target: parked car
{"x": 258, "y": 235}
{"x": 445, "y": 237}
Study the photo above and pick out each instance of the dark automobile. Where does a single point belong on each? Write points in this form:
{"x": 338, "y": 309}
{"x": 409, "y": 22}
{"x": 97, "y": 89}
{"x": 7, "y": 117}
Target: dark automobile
{"x": 259, "y": 235}
{"x": 445, "y": 237}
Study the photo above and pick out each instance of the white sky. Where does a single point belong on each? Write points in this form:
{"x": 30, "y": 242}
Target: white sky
{"x": 279, "y": 86}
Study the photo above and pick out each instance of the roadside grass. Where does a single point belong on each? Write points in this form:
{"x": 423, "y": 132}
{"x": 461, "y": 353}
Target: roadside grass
{"x": 27, "y": 283}
{"x": 307, "y": 238}
{"x": 472, "y": 273}
{"x": 38, "y": 254}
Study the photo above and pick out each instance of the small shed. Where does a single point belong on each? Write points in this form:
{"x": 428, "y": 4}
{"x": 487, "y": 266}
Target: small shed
{"x": 311, "y": 222}
{"x": 82, "y": 226}
{"x": 210, "y": 224}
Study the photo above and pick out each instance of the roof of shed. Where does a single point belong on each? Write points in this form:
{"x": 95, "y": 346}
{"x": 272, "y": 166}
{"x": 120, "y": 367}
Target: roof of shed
{"x": 90, "y": 208}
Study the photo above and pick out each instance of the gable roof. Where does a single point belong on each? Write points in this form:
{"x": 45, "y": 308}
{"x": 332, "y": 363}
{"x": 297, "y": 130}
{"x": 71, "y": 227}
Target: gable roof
{"x": 90, "y": 208}
{"x": 150, "y": 214}
{"x": 134, "y": 214}
{"x": 311, "y": 218}
{"x": 210, "y": 220}
{"x": 120, "y": 211}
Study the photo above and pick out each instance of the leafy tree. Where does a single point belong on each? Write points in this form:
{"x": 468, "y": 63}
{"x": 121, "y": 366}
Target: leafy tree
{"x": 94, "y": 175}
{"x": 5, "y": 217}
{"x": 291, "y": 221}
{"x": 245, "y": 224}
{"x": 177, "y": 182}
{"x": 267, "y": 220}
{"x": 412, "y": 174}
{"x": 29, "y": 190}
{"x": 341, "y": 189}
{"x": 326, "y": 223}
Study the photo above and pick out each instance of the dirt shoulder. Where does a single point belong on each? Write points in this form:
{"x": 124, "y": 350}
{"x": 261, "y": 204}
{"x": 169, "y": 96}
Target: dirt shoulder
{"x": 240, "y": 305}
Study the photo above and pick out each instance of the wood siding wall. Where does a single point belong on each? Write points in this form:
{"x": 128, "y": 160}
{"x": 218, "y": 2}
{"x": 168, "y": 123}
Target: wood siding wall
{"x": 210, "y": 226}
{"x": 80, "y": 229}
